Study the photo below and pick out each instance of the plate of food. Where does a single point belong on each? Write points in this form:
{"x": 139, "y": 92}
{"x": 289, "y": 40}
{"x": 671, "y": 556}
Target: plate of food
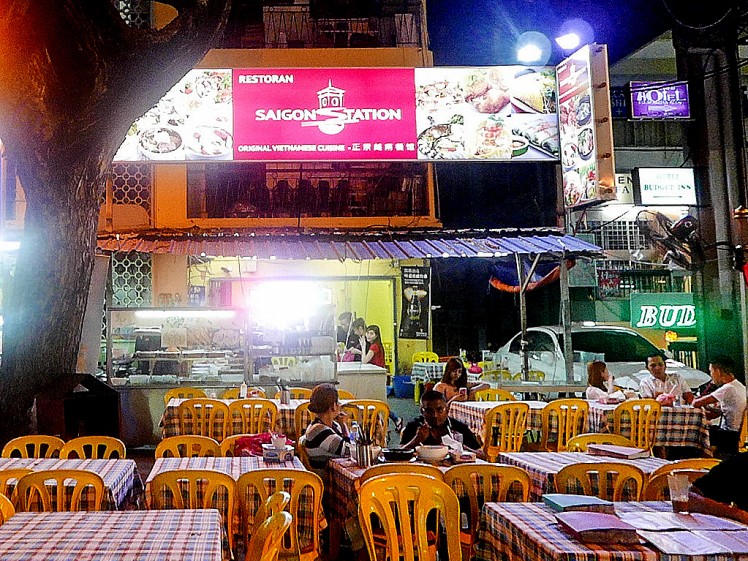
{"x": 443, "y": 140}
{"x": 493, "y": 139}
{"x": 585, "y": 143}
{"x": 487, "y": 92}
{"x": 584, "y": 111}
{"x": 209, "y": 143}
{"x": 534, "y": 92}
{"x": 160, "y": 143}
{"x": 573, "y": 188}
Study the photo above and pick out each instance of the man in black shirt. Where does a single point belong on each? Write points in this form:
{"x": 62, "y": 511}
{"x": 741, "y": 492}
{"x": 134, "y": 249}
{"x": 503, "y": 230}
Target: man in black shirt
{"x": 435, "y": 423}
{"x": 723, "y": 491}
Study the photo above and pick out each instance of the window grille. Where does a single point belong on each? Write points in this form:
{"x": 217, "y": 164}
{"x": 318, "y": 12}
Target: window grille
{"x": 131, "y": 279}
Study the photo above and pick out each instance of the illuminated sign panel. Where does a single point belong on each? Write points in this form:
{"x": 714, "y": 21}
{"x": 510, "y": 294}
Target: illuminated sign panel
{"x": 664, "y": 186}
{"x": 665, "y": 310}
{"x": 659, "y": 100}
{"x": 497, "y": 113}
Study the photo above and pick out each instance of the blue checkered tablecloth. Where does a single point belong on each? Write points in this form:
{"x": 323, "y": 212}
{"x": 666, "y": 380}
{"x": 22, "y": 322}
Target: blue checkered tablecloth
{"x": 543, "y": 466}
{"x": 122, "y": 481}
{"x": 530, "y": 532}
{"x": 156, "y": 535}
{"x": 427, "y": 371}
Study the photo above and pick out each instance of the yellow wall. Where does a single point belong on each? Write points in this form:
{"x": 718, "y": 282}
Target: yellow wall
{"x": 170, "y": 277}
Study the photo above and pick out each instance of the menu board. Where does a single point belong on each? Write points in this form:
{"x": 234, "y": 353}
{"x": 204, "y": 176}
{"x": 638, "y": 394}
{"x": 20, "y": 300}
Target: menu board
{"x": 581, "y": 128}
{"x": 498, "y": 113}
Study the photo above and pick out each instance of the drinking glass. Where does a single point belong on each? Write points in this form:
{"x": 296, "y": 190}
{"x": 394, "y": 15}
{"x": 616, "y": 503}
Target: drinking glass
{"x": 679, "y": 486}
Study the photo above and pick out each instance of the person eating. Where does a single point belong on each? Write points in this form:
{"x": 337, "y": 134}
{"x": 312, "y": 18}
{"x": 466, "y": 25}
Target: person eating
{"x": 663, "y": 383}
{"x": 454, "y": 383}
{"x": 327, "y": 436}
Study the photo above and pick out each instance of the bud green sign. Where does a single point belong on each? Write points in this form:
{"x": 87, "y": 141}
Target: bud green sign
{"x": 664, "y": 310}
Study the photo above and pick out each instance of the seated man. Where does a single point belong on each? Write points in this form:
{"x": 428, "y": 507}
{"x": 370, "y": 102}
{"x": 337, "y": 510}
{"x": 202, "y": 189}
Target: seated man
{"x": 434, "y": 424}
{"x": 723, "y": 491}
{"x": 660, "y": 382}
{"x": 729, "y": 401}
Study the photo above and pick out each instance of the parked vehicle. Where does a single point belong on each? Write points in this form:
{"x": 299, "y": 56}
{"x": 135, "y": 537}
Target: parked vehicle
{"x": 623, "y": 350}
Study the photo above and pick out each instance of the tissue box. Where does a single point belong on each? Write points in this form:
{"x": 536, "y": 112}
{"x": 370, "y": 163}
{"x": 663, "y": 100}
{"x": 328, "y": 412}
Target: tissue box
{"x": 272, "y": 454}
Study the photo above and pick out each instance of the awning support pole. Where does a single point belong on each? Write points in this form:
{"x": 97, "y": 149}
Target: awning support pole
{"x": 566, "y": 320}
{"x": 523, "y": 282}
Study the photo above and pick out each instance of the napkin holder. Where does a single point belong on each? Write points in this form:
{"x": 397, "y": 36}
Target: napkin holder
{"x": 272, "y": 454}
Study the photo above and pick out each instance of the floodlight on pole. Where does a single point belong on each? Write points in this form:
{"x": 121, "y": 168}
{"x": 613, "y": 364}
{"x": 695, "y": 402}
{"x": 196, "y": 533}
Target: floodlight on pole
{"x": 529, "y": 53}
{"x": 533, "y": 48}
{"x": 568, "y": 41}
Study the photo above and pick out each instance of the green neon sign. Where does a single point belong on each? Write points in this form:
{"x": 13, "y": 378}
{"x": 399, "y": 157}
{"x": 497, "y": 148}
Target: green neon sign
{"x": 663, "y": 310}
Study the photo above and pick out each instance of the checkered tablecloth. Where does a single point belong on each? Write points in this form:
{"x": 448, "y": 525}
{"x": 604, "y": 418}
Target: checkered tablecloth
{"x": 235, "y": 467}
{"x": 544, "y": 466}
{"x": 284, "y": 423}
{"x": 473, "y": 414}
{"x": 529, "y": 531}
{"x": 427, "y": 371}
{"x": 157, "y": 535}
{"x": 678, "y": 426}
{"x": 122, "y": 481}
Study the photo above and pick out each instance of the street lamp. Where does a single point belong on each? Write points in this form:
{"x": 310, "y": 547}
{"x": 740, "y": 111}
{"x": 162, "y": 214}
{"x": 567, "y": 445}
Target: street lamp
{"x": 568, "y": 41}
{"x": 533, "y": 48}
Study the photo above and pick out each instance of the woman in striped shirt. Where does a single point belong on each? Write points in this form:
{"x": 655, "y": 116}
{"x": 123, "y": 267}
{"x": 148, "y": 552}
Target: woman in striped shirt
{"x": 327, "y": 437}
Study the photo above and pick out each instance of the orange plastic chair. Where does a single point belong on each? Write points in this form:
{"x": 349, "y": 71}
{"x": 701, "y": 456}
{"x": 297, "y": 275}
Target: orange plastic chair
{"x": 424, "y": 356}
{"x": 256, "y": 415}
{"x": 233, "y": 393}
{"x": 6, "y": 509}
{"x": 296, "y": 393}
{"x": 94, "y": 447}
{"x": 371, "y": 415}
{"x": 183, "y": 392}
{"x": 187, "y": 446}
{"x": 196, "y": 488}
{"x": 579, "y": 442}
{"x": 265, "y": 544}
{"x": 33, "y": 446}
{"x": 643, "y": 415}
{"x": 403, "y": 500}
{"x": 204, "y": 417}
{"x": 32, "y": 489}
{"x": 657, "y": 489}
{"x": 571, "y": 419}
{"x": 494, "y": 394}
{"x": 504, "y": 428}
{"x": 8, "y": 475}
{"x": 609, "y": 478}
{"x": 258, "y": 483}
{"x": 399, "y": 467}
{"x": 495, "y": 483}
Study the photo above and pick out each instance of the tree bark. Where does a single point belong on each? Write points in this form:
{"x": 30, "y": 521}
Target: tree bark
{"x": 74, "y": 78}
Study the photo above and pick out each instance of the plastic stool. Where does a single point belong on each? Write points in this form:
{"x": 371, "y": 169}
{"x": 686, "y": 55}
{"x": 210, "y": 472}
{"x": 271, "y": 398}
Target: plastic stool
{"x": 417, "y": 390}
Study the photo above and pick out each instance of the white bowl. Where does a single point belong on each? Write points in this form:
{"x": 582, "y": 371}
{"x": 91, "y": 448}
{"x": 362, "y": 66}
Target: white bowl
{"x": 432, "y": 453}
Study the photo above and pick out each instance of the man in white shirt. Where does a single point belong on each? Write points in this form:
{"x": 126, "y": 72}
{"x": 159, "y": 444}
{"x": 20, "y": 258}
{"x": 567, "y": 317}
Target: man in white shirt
{"x": 729, "y": 400}
{"x": 660, "y": 381}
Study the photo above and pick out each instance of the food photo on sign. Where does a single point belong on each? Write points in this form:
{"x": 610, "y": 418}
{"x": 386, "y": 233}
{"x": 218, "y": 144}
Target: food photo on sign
{"x": 491, "y": 113}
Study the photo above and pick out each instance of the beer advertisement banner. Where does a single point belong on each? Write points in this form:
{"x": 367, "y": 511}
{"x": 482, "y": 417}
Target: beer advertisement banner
{"x": 498, "y": 113}
{"x": 416, "y": 302}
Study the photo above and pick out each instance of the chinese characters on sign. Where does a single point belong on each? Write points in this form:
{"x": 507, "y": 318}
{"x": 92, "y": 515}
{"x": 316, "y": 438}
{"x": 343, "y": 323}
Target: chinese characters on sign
{"x": 416, "y": 302}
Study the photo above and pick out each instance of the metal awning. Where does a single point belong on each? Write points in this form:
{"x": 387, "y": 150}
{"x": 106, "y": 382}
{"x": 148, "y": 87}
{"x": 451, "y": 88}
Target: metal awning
{"x": 357, "y": 246}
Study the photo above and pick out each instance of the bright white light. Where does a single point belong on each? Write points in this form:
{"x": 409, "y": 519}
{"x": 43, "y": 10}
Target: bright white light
{"x": 161, "y": 314}
{"x": 589, "y": 323}
{"x": 529, "y": 53}
{"x": 280, "y": 304}
{"x": 569, "y": 41}
{"x": 8, "y": 246}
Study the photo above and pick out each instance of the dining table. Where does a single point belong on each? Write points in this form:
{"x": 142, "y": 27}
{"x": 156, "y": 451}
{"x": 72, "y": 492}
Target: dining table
{"x": 544, "y": 466}
{"x": 132, "y": 535}
{"x": 123, "y": 487}
{"x": 427, "y": 371}
{"x": 530, "y": 532}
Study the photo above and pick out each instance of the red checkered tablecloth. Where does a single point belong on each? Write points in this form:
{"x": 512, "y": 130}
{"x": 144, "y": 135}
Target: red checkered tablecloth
{"x": 122, "y": 481}
{"x": 678, "y": 426}
{"x": 543, "y": 466}
{"x": 156, "y": 535}
{"x": 235, "y": 467}
{"x": 529, "y": 531}
{"x": 473, "y": 414}
{"x": 284, "y": 423}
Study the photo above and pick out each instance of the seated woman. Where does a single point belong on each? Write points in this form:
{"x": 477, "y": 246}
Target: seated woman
{"x": 327, "y": 436}
{"x": 600, "y": 382}
{"x": 454, "y": 384}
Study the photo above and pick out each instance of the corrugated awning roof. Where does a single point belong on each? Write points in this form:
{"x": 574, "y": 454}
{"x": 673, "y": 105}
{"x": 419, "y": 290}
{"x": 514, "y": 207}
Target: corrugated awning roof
{"x": 357, "y": 246}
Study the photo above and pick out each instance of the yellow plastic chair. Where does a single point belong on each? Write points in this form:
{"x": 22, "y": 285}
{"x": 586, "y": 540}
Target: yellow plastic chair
{"x": 196, "y": 488}
{"x": 302, "y": 453}
{"x": 265, "y": 544}
{"x": 283, "y": 361}
{"x": 389, "y": 356}
{"x": 403, "y": 500}
{"x": 372, "y": 416}
{"x": 228, "y": 444}
{"x": 260, "y": 482}
{"x": 297, "y": 393}
{"x": 8, "y": 475}
{"x": 704, "y": 464}
{"x": 187, "y": 446}
{"x": 494, "y": 394}
{"x": 233, "y": 393}
{"x": 504, "y": 428}
{"x": 579, "y": 442}
{"x": 204, "y": 417}
{"x": 571, "y": 419}
{"x": 33, "y": 446}
{"x": 495, "y": 482}
{"x": 345, "y": 394}
{"x": 486, "y": 365}
{"x": 424, "y": 356}
{"x": 6, "y": 509}
{"x": 302, "y": 418}
{"x": 256, "y": 415}
{"x": 274, "y": 504}
{"x": 609, "y": 478}
{"x": 743, "y": 437}
{"x": 32, "y": 490}
{"x": 532, "y": 376}
{"x": 399, "y": 467}
{"x": 496, "y": 375}
{"x": 94, "y": 447}
{"x": 183, "y": 392}
{"x": 643, "y": 415}
{"x": 657, "y": 489}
